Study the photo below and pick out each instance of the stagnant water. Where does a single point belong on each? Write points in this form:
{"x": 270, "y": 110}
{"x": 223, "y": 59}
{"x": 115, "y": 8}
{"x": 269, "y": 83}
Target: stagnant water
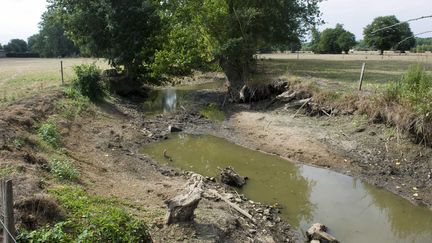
{"x": 166, "y": 100}
{"x": 353, "y": 210}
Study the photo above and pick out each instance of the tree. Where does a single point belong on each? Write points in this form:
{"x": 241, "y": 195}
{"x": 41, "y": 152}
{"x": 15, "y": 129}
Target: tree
{"x": 376, "y": 34}
{"x": 346, "y": 41}
{"x": 315, "y": 39}
{"x": 1, "y": 47}
{"x": 51, "y": 40}
{"x": 16, "y": 46}
{"x": 123, "y": 31}
{"x": 236, "y": 29}
{"x": 335, "y": 40}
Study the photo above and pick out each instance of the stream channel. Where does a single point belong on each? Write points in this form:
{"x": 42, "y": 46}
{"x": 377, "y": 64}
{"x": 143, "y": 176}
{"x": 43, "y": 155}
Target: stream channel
{"x": 353, "y": 210}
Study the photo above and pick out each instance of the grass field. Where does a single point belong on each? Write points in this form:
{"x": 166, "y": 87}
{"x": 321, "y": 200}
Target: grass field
{"x": 21, "y": 77}
{"x": 343, "y": 69}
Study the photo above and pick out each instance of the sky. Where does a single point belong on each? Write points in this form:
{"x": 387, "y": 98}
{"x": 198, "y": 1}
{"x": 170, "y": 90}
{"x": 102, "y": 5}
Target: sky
{"x": 20, "y": 18}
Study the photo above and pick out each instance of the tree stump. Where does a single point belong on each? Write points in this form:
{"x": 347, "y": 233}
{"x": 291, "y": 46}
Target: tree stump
{"x": 181, "y": 208}
{"x": 319, "y": 232}
{"x": 230, "y": 177}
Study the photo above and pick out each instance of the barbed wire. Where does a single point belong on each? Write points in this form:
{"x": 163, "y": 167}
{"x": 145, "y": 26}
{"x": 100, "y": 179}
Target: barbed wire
{"x": 410, "y": 37}
{"x": 403, "y": 22}
{"x": 9, "y": 233}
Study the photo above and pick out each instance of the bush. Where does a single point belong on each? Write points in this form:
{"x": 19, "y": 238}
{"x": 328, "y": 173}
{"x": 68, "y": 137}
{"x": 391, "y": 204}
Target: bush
{"x": 212, "y": 112}
{"x": 91, "y": 219}
{"x": 49, "y": 133}
{"x": 63, "y": 169}
{"x": 88, "y": 81}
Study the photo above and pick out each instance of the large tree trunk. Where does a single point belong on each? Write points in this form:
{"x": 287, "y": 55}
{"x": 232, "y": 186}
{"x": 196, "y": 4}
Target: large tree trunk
{"x": 236, "y": 76}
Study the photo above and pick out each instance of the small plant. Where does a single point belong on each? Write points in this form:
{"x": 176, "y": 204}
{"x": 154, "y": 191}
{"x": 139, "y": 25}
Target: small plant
{"x": 63, "y": 169}
{"x": 18, "y": 143}
{"x": 74, "y": 105}
{"x": 5, "y": 171}
{"x": 88, "y": 81}
{"x": 49, "y": 133}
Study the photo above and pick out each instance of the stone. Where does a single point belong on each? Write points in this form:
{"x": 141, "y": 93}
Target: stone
{"x": 230, "y": 177}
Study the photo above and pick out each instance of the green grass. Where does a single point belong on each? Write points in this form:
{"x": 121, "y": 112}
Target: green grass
{"x": 89, "y": 219}
{"x": 63, "y": 169}
{"x": 7, "y": 170}
{"x": 48, "y": 132}
{"x": 212, "y": 112}
{"x": 377, "y": 72}
{"x": 20, "y": 77}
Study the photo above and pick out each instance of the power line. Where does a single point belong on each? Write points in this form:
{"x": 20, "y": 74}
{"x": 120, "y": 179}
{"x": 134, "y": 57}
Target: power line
{"x": 403, "y": 22}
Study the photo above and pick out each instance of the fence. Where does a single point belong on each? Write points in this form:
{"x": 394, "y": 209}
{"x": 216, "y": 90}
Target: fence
{"x": 7, "y": 220}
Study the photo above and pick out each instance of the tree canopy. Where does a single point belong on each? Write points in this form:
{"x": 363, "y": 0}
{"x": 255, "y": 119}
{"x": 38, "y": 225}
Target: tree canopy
{"x": 397, "y": 37}
{"x": 232, "y": 31}
{"x": 16, "y": 46}
{"x": 333, "y": 40}
{"x": 123, "y": 31}
{"x": 51, "y": 40}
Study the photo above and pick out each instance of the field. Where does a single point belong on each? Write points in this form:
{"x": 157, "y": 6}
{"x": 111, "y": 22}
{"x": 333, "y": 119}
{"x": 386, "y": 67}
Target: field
{"x": 25, "y": 76}
{"x": 343, "y": 70}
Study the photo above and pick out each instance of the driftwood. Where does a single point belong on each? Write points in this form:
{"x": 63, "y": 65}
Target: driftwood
{"x": 297, "y": 103}
{"x": 233, "y": 205}
{"x": 305, "y": 102}
{"x": 181, "y": 208}
{"x": 319, "y": 232}
{"x": 230, "y": 177}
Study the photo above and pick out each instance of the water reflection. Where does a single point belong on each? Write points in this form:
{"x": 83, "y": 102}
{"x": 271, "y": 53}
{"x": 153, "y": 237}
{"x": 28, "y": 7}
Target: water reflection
{"x": 353, "y": 210}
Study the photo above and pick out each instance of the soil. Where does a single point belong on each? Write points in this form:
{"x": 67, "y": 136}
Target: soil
{"x": 104, "y": 146}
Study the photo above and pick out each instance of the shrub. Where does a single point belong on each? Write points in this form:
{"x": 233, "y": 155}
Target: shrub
{"x": 91, "y": 219}
{"x": 88, "y": 81}
{"x": 212, "y": 112}
{"x": 49, "y": 133}
{"x": 63, "y": 169}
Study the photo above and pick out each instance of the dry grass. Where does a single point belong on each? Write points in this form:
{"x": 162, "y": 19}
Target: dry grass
{"x": 20, "y": 77}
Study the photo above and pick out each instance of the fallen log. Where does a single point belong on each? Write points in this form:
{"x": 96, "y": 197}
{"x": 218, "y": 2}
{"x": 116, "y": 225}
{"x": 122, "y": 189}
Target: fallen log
{"x": 319, "y": 232}
{"x": 233, "y": 205}
{"x": 297, "y": 103}
{"x": 181, "y": 208}
{"x": 230, "y": 177}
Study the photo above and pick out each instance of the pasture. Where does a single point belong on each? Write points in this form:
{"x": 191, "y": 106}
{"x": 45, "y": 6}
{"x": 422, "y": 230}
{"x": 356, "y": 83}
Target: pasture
{"x": 343, "y": 70}
{"x": 20, "y": 77}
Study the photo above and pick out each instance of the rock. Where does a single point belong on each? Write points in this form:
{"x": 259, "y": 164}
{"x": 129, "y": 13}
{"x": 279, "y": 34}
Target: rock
{"x": 181, "y": 208}
{"x": 174, "y": 129}
{"x": 230, "y": 177}
{"x": 314, "y": 241}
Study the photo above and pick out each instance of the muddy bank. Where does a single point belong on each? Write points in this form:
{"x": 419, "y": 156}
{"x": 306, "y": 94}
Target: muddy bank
{"x": 104, "y": 146}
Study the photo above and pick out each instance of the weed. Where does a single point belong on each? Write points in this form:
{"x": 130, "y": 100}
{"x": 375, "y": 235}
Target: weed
{"x": 91, "y": 219}
{"x": 49, "y": 133}
{"x": 74, "y": 105}
{"x": 18, "y": 143}
{"x": 63, "y": 169}
{"x": 7, "y": 170}
{"x": 88, "y": 81}
{"x": 212, "y": 112}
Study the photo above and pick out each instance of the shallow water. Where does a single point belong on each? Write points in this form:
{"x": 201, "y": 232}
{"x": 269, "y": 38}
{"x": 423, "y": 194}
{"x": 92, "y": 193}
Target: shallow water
{"x": 166, "y": 100}
{"x": 353, "y": 210}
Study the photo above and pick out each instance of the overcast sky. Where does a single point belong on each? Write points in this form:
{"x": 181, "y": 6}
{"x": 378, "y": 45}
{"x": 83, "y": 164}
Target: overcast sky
{"x": 20, "y": 18}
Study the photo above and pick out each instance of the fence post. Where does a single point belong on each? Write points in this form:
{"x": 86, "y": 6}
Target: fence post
{"x": 9, "y": 230}
{"x": 361, "y": 76}
{"x": 61, "y": 68}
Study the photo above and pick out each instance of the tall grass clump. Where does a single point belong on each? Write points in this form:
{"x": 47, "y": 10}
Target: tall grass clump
{"x": 409, "y": 102}
{"x": 88, "y": 81}
{"x": 48, "y": 132}
{"x": 63, "y": 169}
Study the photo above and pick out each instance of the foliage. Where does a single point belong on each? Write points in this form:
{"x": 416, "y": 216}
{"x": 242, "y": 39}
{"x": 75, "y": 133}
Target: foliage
{"x": 7, "y": 170}
{"x": 51, "y": 41}
{"x": 415, "y": 88}
{"x": 75, "y": 104}
{"x": 49, "y": 133}
{"x": 16, "y": 46}
{"x": 334, "y": 41}
{"x": 63, "y": 169}
{"x": 121, "y": 31}
{"x": 234, "y": 30}
{"x": 212, "y": 112}
{"x": 88, "y": 81}
{"x": 91, "y": 219}
{"x": 397, "y": 37}
{"x": 18, "y": 143}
